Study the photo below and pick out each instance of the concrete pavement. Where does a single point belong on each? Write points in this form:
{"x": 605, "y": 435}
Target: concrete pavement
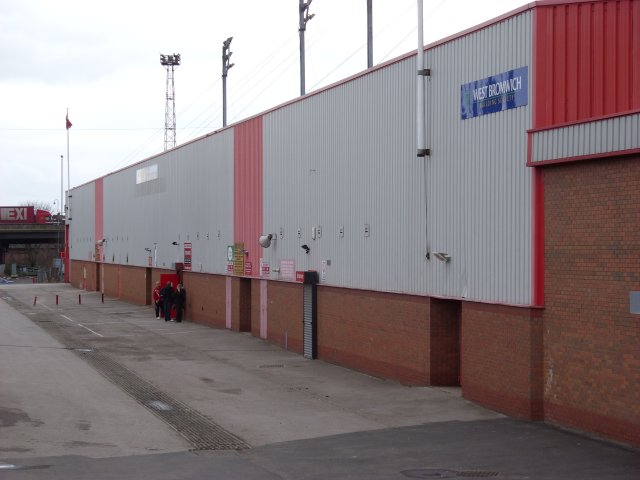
{"x": 75, "y": 384}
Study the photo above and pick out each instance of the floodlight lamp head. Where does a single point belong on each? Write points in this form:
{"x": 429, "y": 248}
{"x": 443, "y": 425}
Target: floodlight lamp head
{"x": 265, "y": 240}
{"x": 175, "y": 243}
{"x": 305, "y": 248}
{"x": 102, "y": 241}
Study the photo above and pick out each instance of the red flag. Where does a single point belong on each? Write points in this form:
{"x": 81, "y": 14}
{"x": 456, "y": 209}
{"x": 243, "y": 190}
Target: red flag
{"x": 69, "y": 124}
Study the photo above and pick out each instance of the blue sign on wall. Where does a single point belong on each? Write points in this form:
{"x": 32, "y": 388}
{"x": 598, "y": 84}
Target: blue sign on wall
{"x": 494, "y": 94}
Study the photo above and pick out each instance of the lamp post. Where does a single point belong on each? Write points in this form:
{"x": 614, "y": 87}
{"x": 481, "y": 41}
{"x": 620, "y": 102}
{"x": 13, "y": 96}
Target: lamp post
{"x": 303, "y": 10}
{"x": 226, "y": 56}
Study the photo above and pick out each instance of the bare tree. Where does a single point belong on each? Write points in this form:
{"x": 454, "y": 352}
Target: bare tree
{"x": 38, "y": 205}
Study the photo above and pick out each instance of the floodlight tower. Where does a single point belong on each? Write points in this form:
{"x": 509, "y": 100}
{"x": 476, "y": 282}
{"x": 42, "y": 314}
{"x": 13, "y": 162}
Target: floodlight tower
{"x": 303, "y": 11}
{"x": 226, "y": 56}
{"x": 170, "y": 62}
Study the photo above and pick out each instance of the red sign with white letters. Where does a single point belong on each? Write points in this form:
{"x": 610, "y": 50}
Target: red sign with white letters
{"x": 17, "y": 215}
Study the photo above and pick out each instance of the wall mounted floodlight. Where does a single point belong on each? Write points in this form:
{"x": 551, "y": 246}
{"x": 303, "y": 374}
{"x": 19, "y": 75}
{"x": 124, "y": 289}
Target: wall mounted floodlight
{"x": 265, "y": 240}
{"x": 442, "y": 256}
{"x": 305, "y": 248}
{"x": 175, "y": 243}
{"x": 102, "y": 241}
{"x": 147, "y": 250}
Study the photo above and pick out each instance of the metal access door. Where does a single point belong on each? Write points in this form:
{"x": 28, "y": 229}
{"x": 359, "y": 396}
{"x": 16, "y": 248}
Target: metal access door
{"x": 309, "y": 322}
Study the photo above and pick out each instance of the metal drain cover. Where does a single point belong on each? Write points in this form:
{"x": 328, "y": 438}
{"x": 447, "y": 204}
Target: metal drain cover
{"x": 158, "y": 405}
{"x": 476, "y": 474}
{"x": 442, "y": 473}
{"x": 429, "y": 473}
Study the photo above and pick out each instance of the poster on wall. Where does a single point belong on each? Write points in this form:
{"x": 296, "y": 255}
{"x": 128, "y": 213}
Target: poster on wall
{"x": 493, "y": 94}
{"x": 187, "y": 255}
{"x": 265, "y": 268}
{"x": 288, "y": 270}
{"x": 238, "y": 259}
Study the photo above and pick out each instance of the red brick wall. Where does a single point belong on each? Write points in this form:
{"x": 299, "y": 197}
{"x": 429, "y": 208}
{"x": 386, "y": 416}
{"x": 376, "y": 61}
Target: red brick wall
{"x": 284, "y": 315}
{"x": 125, "y": 282}
{"x": 592, "y": 257}
{"x": 84, "y": 274}
{"x": 383, "y": 334}
{"x": 502, "y": 358}
{"x": 206, "y": 300}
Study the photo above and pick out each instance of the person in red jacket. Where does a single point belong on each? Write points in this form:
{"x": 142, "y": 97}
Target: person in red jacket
{"x": 157, "y": 300}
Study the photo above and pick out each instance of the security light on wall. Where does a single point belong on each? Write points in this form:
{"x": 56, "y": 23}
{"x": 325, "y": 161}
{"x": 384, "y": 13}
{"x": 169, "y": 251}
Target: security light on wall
{"x": 443, "y": 257}
{"x": 102, "y": 241}
{"x": 266, "y": 240}
{"x": 175, "y": 243}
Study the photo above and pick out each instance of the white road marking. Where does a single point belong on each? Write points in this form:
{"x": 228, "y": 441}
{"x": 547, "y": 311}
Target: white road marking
{"x": 80, "y": 325}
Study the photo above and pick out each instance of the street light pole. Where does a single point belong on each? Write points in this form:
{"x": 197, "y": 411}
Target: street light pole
{"x": 226, "y": 56}
{"x": 303, "y": 10}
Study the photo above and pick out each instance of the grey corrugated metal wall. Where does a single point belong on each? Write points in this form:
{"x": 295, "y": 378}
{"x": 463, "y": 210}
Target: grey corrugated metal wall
{"x": 346, "y": 157}
{"x": 191, "y": 201}
{"x": 479, "y": 185}
{"x": 588, "y": 138}
{"x": 337, "y": 159}
{"x": 82, "y": 243}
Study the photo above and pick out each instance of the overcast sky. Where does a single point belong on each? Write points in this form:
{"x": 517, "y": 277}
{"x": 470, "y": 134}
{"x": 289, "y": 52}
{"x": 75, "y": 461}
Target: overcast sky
{"x": 101, "y": 61}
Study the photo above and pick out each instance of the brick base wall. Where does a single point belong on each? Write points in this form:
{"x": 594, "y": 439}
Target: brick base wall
{"x": 284, "y": 315}
{"x": 502, "y": 358}
{"x": 206, "y": 298}
{"x": 84, "y": 275}
{"x": 381, "y": 334}
{"x": 592, "y": 262}
{"x": 125, "y": 282}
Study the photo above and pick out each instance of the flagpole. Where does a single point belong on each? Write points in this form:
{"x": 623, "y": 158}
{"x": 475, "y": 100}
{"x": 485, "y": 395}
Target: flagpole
{"x": 67, "y": 271}
{"x": 68, "y": 171}
{"x": 61, "y": 183}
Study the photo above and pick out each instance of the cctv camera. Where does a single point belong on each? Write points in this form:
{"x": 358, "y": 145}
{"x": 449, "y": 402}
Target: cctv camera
{"x": 306, "y": 248}
{"x": 265, "y": 240}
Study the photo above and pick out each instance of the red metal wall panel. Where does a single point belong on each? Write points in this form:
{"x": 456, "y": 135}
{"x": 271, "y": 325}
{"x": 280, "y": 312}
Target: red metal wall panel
{"x": 586, "y": 60}
{"x": 247, "y": 192}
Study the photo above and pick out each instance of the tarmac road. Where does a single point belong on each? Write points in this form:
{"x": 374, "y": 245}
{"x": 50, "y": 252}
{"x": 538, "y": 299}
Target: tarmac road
{"x": 104, "y": 390}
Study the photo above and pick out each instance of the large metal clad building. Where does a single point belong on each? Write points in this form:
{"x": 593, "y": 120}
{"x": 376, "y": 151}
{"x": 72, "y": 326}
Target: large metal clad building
{"x": 504, "y": 262}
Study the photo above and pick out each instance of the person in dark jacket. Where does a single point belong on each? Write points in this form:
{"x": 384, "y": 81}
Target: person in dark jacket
{"x": 180, "y": 300}
{"x": 167, "y": 300}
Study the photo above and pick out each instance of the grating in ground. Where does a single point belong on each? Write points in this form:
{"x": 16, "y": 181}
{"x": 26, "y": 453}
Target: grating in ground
{"x": 201, "y": 432}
